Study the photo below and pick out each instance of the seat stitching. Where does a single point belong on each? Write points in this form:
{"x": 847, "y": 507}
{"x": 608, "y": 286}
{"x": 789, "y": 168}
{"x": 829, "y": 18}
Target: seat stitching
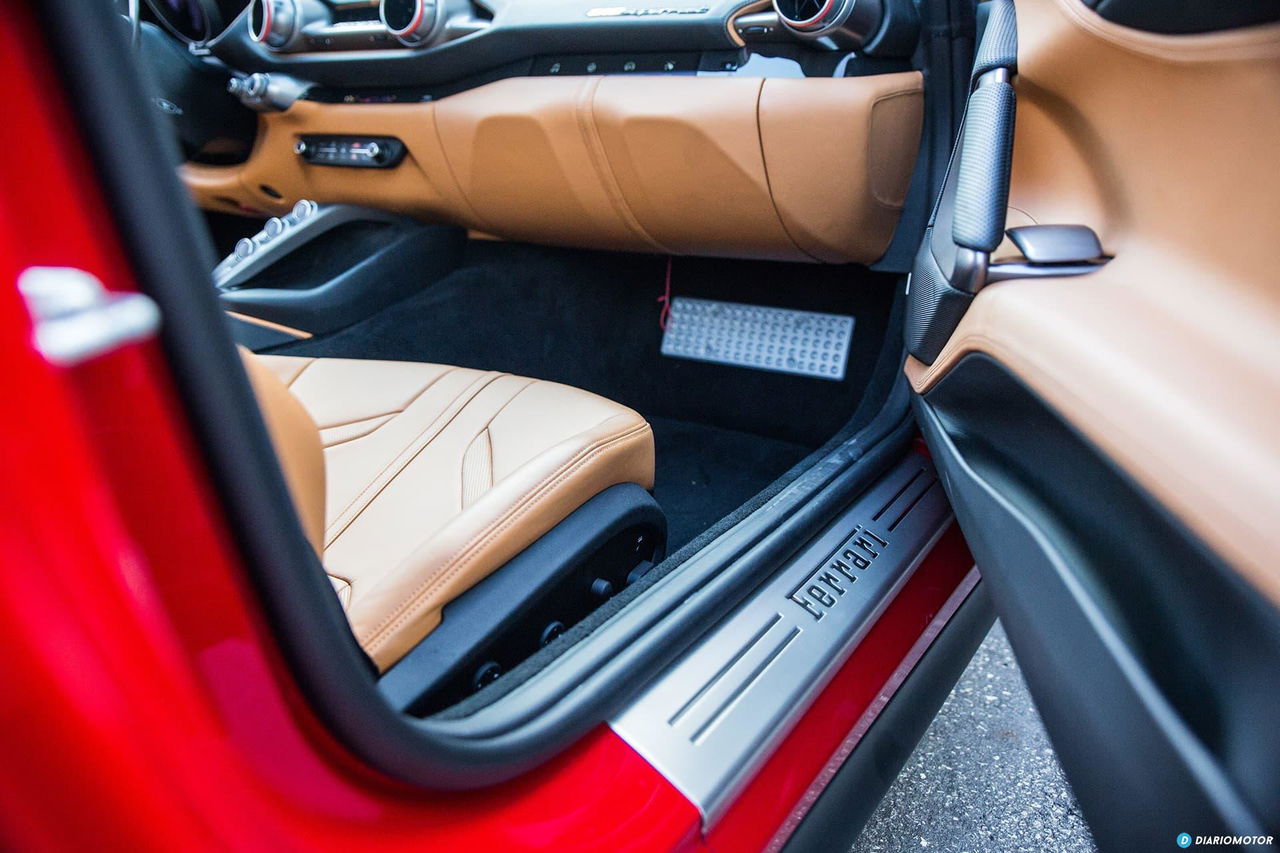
{"x": 416, "y": 398}
{"x": 590, "y": 449}
{"x": 484, "y": 429}
{"x": 355, "y": 438}
{"x": 304, "y": 369}
{"x": 457, "y": 561}
{"x": 454, "y": 565}
{"x": 372, "y": 417}
{"x": 390, "y": 416}
{"x": 465, "y": 395}
{"x": 400, "y": 461}
{"x": 462, "y": 467}
{"x": 345, "y": 588}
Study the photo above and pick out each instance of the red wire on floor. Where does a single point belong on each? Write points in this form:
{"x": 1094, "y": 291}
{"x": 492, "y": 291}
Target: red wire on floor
{"x": 665, "y": 300}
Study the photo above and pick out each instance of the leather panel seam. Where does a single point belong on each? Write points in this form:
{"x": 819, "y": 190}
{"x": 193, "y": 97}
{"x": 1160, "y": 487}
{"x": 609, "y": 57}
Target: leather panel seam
{"x": 585, "y": 110}
{"x": 768, "y": 181}
{"x": 448, "y": 164}
{"x": 484, "y": 430}
{"x": 915, "y": 92}
{"x": 298, "y": 375}
{"x": 405, "y": 456}
{"x": 368, "y": 418}
{"x": 386, "y": 419}
{"x": 461, "y": 558}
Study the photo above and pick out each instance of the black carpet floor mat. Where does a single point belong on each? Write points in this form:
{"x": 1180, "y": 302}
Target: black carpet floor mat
{"x": 590, "y": 319}
{"x": 705, "y": 472}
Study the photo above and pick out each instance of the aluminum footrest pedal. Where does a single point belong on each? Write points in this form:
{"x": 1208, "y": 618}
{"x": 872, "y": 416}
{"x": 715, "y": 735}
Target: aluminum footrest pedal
{"x": 804, "y": 343}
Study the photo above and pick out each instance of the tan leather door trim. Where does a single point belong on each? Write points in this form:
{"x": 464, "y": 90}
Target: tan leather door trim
{"x": 1168, "y": 359}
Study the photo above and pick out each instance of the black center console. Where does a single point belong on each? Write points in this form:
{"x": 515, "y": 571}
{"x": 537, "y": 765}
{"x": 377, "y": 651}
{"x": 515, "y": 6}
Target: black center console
{"x": 325, "y": 266}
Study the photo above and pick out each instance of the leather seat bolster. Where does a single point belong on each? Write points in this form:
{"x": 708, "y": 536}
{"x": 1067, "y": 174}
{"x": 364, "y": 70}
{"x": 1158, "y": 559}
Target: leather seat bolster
{"x": 297, "y": 444}
{"x": 506, "y": 520}
{"x": 438, "y": 475}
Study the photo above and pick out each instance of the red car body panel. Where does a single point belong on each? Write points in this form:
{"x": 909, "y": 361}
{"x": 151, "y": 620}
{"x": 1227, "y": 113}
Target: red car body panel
{"x": 145, "y": 701}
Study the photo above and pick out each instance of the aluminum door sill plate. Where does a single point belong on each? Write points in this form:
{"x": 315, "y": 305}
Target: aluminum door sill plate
{"x": 804, "y": 343}
{"x": 715, "y": 716}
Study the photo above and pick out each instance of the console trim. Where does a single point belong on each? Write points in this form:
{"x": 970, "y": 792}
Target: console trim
{"x": 297, "y": 231}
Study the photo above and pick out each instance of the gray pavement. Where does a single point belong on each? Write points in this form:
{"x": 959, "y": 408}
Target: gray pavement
{"x": 984, "y": 776}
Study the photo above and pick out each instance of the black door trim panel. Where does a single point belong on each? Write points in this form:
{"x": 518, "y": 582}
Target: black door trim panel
{"x": 1155, "y": 666}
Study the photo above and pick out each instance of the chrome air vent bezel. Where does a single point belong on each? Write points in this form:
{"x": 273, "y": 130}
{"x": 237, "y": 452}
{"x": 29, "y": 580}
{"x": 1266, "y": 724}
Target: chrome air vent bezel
{"x": 273, "y": 23}
{"x": 793, "y": 12}
{"x": 424, "y": 24}
{"x": 850, "y": 23}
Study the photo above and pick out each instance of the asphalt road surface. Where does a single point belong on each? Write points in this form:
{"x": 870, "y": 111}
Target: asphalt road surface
{"x": 984, "y": 776}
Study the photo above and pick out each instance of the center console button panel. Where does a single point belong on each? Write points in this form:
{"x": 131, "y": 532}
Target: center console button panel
{"x": 363, "y": 152}
{"x": 281, "y": 235}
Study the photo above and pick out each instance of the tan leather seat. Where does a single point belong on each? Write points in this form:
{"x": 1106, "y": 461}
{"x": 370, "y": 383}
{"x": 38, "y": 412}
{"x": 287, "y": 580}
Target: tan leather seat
{"x": 432, "y": 476}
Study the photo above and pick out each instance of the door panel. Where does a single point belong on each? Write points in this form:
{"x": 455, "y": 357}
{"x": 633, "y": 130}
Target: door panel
{"x": 1165, "y": 146}
{"x": 1154, "y": 664}
{"x": 1103, "y": 433}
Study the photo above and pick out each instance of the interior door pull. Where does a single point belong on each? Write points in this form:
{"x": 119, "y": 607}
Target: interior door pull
{"x": 1051, "y": 251}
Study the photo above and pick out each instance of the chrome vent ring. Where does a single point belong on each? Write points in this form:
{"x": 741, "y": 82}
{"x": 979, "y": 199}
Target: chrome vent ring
{"x": 803, "y": 14}
{"x": 849, "y": 22}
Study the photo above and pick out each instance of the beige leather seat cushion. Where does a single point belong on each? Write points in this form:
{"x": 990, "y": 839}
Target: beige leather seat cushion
{"x": 436, "y": 475}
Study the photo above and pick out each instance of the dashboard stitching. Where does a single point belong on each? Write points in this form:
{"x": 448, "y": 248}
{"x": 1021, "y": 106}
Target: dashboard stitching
{"x": 585, "y": 109}
{"x": 448, "y": 165}
{"x": 768, "y": 184}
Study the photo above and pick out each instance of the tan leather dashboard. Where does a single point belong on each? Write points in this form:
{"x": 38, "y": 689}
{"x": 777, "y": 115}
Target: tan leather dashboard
{"x": 809, "y": 169}
{"x": 1168, "y": 358}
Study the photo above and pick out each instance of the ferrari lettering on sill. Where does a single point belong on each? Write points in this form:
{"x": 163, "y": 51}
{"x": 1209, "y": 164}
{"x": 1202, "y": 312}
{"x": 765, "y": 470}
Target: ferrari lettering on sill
{"x": 823, "y": 589}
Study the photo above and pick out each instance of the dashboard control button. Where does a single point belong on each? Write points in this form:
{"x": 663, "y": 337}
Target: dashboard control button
{"x": 367, "y": 152}
{"x": 617, "y": 63}
{"x": 245, "y": 247}
{"x": 255, "y": 85}
{"x": 304, "y": 208}
{"x": 274, "y": 227}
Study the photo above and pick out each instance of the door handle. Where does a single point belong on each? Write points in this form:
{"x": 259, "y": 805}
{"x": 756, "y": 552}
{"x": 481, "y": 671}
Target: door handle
{"x": 1051, "y": 251}
{"x": 76, "y": 319}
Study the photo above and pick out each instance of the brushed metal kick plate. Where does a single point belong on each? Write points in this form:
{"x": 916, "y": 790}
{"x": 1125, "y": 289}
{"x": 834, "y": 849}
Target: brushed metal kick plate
{"x": 717, "y": 714}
